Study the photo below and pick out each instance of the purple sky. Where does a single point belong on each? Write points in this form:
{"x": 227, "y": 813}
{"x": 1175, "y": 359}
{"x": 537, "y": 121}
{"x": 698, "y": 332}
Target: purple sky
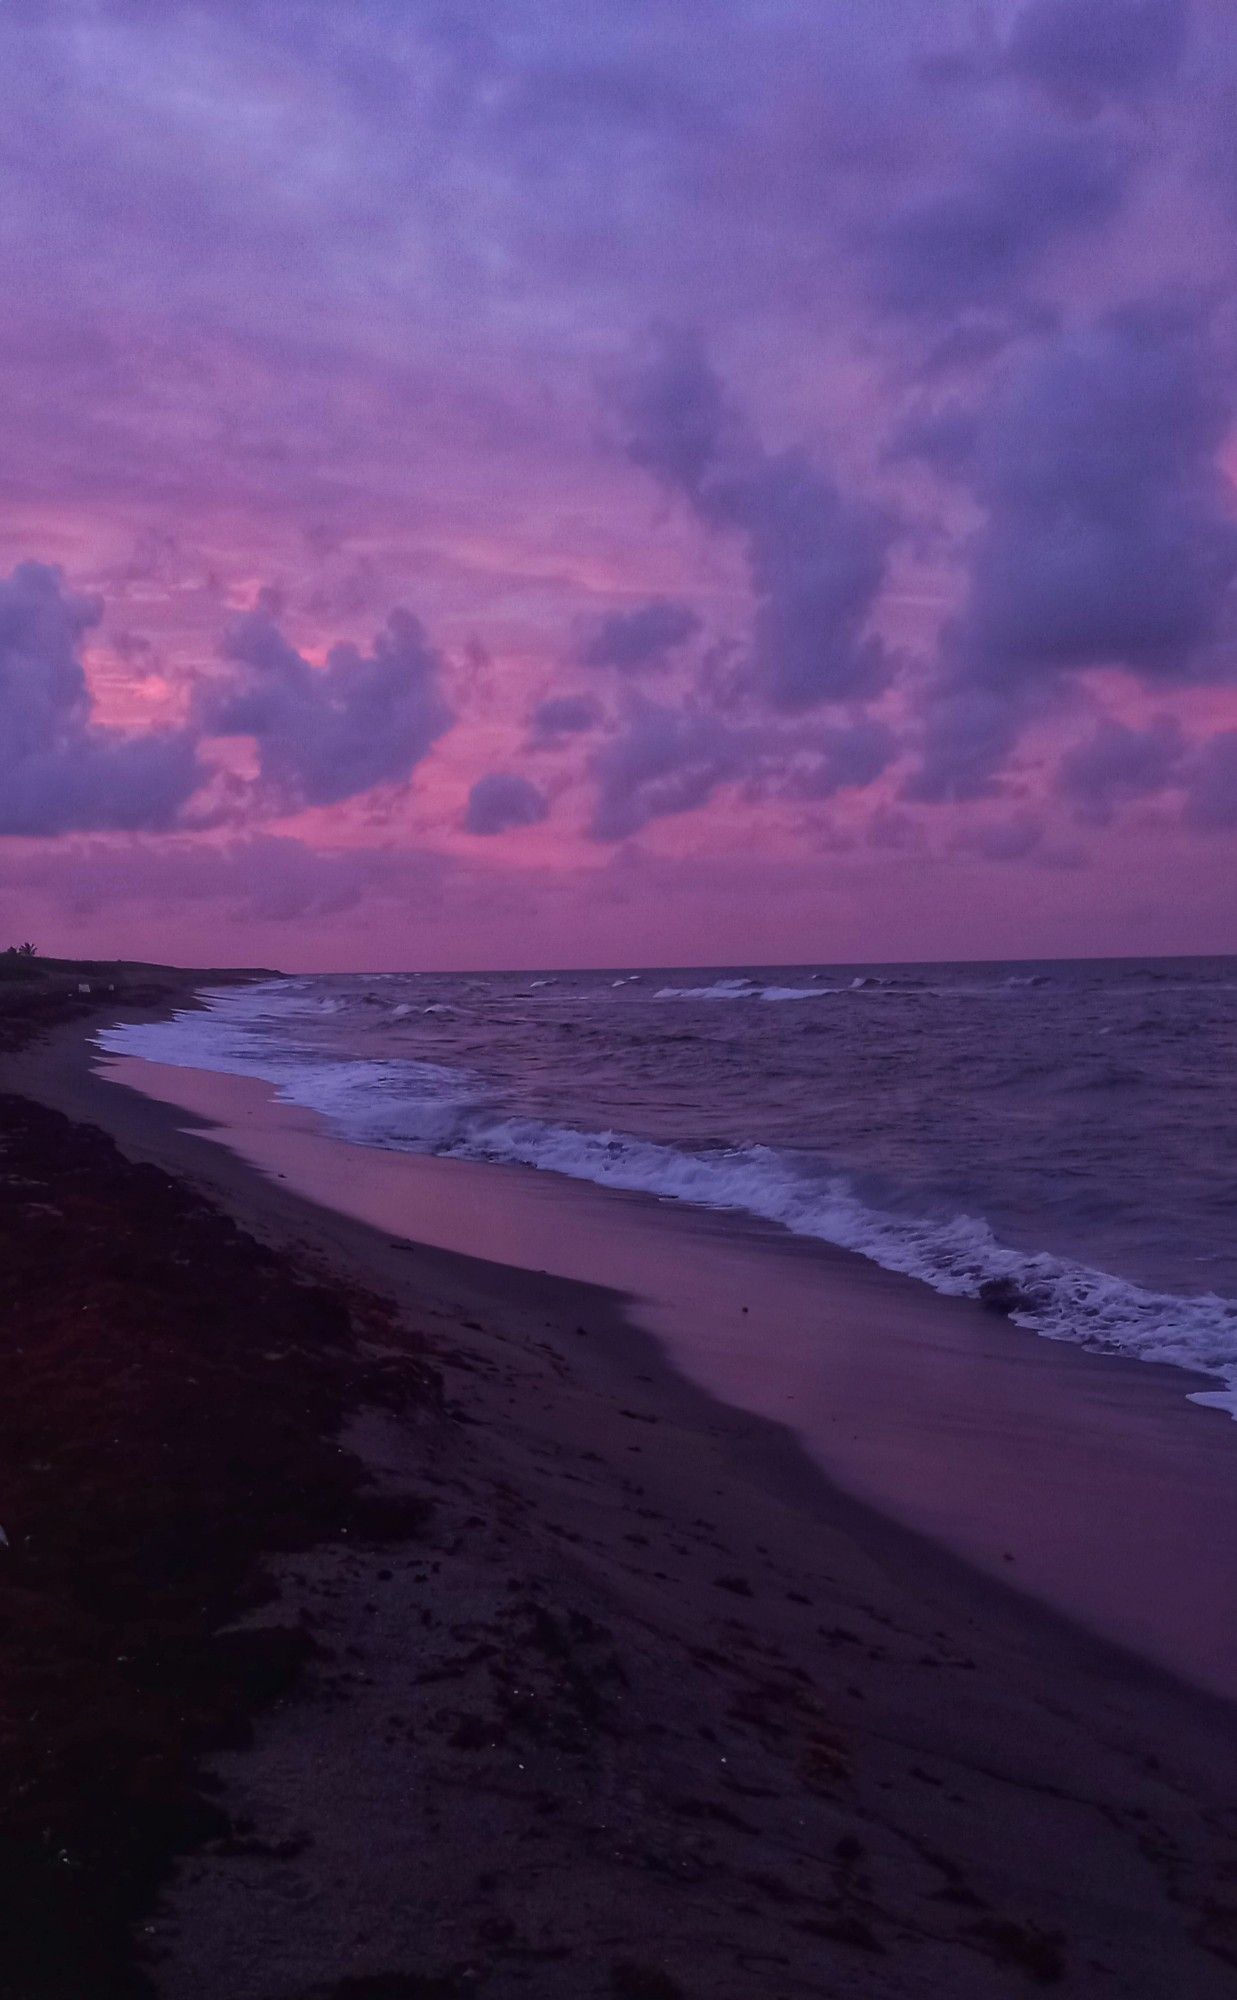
{"x": 638, "y": 480}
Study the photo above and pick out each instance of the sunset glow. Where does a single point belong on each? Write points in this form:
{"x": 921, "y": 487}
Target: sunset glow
{"x": 630, "y": 484}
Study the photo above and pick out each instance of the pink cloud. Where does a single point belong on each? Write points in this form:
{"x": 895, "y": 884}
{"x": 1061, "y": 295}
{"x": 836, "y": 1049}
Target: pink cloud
{"x": 909, "y": 549}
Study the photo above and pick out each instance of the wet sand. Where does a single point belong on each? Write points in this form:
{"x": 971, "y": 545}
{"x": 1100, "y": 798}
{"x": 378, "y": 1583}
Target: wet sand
{"x": 1090, "y": 1481}
{"x": 650, "y": 1706}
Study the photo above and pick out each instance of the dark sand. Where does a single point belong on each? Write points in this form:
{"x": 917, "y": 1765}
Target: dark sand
{"x": 643, "y": 1704}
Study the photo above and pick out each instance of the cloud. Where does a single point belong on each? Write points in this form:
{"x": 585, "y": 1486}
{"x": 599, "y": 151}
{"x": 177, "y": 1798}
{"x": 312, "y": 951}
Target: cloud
{"x": 967, "y": 734}
{"x": 323, "y": 734}
{"x": 253, "y": 878}
{"x": 60, "y": 770}
{"x": 852, "y": 756}
{"x": 634, "y": 641}
{"x": 665, "y": 761}
{"x": 896, "y": 831}
{"x": 502, "y": 800}
{"x": 1116, "y": 765}
{"x": 1211, "y": 786}
{"x": 1022, "y": 836}
{"x": 970, "y": 243}
{"x": 1014, "y": 839}
{"x": 1107, "y": 539}
{"x": 816, "y": 556}
{"x": 857, "y": 206}
{"x": 669, "y": 760}
{"x": 1089, "y": 49}
{"x": 679, "y": 422}
{"x": 561, "y": 717}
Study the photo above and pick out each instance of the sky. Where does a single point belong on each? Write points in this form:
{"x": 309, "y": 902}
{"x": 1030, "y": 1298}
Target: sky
{"x": 641, "y": 481}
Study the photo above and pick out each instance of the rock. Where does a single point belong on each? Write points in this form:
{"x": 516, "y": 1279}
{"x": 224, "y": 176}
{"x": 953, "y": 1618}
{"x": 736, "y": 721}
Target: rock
{"x": 1006, "y": 1295}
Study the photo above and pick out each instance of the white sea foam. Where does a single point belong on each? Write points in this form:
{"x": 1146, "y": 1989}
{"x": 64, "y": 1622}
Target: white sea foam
{"x": 795, "y": 992}
{"x": 721, "y": 989}
{"x": 426, "y": 1107}
{"x": 742, "y": 989}
{"x": 750, "y": 989}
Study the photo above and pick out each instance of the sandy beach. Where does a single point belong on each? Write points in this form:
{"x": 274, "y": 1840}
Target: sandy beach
{"x": 1090, "y": 1481}
{"x": 565, "y": 1676}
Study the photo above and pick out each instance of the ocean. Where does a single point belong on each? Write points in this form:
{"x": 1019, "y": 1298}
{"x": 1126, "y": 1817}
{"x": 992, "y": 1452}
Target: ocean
{"x": 1070, "y": 1127}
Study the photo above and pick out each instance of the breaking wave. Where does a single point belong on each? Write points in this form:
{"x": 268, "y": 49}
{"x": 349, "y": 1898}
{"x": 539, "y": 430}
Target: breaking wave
{"x": 741, "y": 989}
{"x": 429, "y": 1108}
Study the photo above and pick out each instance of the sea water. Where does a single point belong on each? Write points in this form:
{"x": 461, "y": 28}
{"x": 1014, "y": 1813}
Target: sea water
{"x": 1068, "y": 1126}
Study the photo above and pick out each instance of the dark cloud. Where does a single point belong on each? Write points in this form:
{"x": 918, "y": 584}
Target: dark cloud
{"x": 679, "y": 422}
{"x": 60, "y": 770}
{"x": 502, "y": 800}
{"x": 1089, "y": 49}
{"x": 634, "y": 641}
{"x": 816, "y": 556}
{"x": 1117, "y": 765}
{"x": 970, "y": 243}
{"x": 560, "y": 717}
{"x": 1211, "y": 786}
{"x": 896, "y": 831}
{"x": 817, "y": 562}
{"x": 665, "y": 761}
{"x": 321, "y": 735}
{"x": 853, "y": 756}
{"x": 1022, "y": 836}
{"x": 967, "y": 734}
{"x": 258, "y": 877}
{"x": 330, "y": 733}
{"x": 1014, "y": 839}
{"x": 1107, "y": 538}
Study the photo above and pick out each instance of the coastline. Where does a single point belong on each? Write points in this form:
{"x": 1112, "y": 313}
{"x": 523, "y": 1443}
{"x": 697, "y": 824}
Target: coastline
{"x": 1091, "y": 1482}
{"x": 734, "y": 1661}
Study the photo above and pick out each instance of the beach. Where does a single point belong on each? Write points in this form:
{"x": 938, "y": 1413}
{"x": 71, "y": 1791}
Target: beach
{"x": 564, "y": 1675}
{"x": 1092, "y": 1481}
{"x": 618, "y": 1001}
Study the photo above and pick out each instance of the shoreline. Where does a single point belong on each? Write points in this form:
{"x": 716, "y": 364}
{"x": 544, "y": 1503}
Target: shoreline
{"x": 776, "y": 1658}
{"x": 1089, "y": 1481}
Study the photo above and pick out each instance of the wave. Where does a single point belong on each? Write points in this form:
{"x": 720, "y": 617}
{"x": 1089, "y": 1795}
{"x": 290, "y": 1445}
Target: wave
{"x": 743, "y": 989}
{"x": 750, "y": 989}
{"x": 424, "y": 1107}
{"x": 721, "y": 989}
